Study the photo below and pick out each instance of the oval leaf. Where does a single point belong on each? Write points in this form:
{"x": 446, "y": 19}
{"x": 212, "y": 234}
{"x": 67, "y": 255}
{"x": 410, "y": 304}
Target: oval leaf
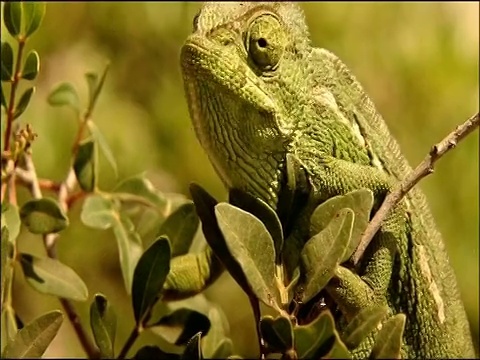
{"x": 32, "y": 340}
{"x": 43, "y": 216}
{"x": 180, "y": 228}
{"x": 4, "y": 104}
{"x": 50, "y": 276}
{"x": 388, "y": 341}
{"x": 7, "y": 62}
{"x": 150, "y": 274}
{"x": 139, "y": 185}
{"x": 363, "y": 324}
{"x": 278, "y": 333}
{"x": 310, "y": 338}
{"x": 23, "y": 102}
{"x": 33, "y": 15}
{"x": 31, "y": 66}
{"x": 12, "y": 16}
{"x": 213, "y": 346}
{"x": 11, "y": 218}
{"x": 64, "y": 94}
{"x": 85, "y": 165}
{"x": 102, "y": 142}
{"x": 104, "y": 323}
{"x": 95, "y": 86}
{"x": 98, "y": 212}
{"x": 129, "y": 247}
{"x": 323, "y": 252}
{"x": 360, "y": 201}
{"x": 250, "y": 243}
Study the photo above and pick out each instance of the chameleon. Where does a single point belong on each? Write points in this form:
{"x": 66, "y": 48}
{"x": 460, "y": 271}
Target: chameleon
{"x": 260, "y": 93}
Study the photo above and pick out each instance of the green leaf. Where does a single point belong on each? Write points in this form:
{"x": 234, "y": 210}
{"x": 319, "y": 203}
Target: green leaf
{"x": 9, "y": 326}
{"x": 205, "y": 206}
{"x": 43, "y": 216}
{"x": 23, "y": 102}
{"x": 188, "y": 322}
{"x": 150, "y": 274}
{"x": 262, "y": 211}
{"x": 85, "y": 165}
{"x": 64, "y": 94}
{"x": 139, "y": 185}
{"x": 215, "y": 343}
{"x": 338, "y": 351}
{"x": 360, "y": 201}
{"x": 277, "y": 332}
{"x": 7, "y": 257}
{"x": 34, "y": 338}
{"x": 323, "y": 252}
{"x": 150, "y": 352}
{"x": 98, "y": 212}
{"x": 193, "y": 350}
{"x": 180, "y": 228}
{"x": 388, "y": 341}
{"x": 129, "y": 247}
{"x": 12, "y": 17}
{"x": 309, "y": 339}
{"x": 31, "y": 66}
{"x": 50, "y": 276}
{"x": 33, "y": 15}
{"x": 95, "y": 86}
{"x": 363, "y": 324}
{"x": 11, "y": 218}
{"x": 251, "y": 244}
{"x": 7, "y": 62}
{"x": 4, "y": 104}
{"x": 104, "y": 147}
{"x": 104, "y": 323}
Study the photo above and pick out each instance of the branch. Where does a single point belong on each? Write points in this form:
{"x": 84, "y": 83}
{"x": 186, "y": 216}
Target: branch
{"x": 425, "y": 168}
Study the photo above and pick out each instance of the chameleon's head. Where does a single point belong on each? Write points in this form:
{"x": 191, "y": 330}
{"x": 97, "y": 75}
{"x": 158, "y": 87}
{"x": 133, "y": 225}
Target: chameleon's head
{"x": 245, "y": 83}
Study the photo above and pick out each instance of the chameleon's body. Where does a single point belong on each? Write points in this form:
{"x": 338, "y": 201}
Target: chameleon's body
{"x": 257, "y": 91}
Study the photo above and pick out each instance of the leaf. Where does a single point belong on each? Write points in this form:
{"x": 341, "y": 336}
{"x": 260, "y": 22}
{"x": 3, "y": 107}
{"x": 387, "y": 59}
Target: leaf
{"x": 338, "y": 351}
{"x": 9, "y": 326}
{"x": 4, "y": 104}
{"x": 388, "y": 341}
{"x": 188, "y": 321}
{"x": 64, "y": 94}
{"x": 310, "y": 338}
{"x": 150, "y": 352}
{"x": 150, "y": 274}
{"x": 34, "y": 338}
{"x": 213, "y": 343}
{"x": 103, "y": 322}
{"x": 7, "y": 258}
{"x": 85, "y": 165}
{"x": 180, "y": 228}
{"x": 95, "y": 86}
{"x": 31, "y": 66}
{"x": 193, "y": 350}
{"x": 324, "y": 251}
{"x": 139, "y": 185}
{"x": 262, "y": 211}
{"x": 23, "y": 102}
{"x": 12, "y": 17}
{"x": 104, "y": 147}
{"x": 205, "y": 206}
{"x": 11, "y": 218}
{"x": 50, "y": 276}
{"x": 250, "y": 243}
{"x": 43, "y": 216}
{"x": 98, "y": 212}
{"x": 360, "y": 201}
{"x": 129, "y": 247}
{"x": 7, "y": 62}
{"x": 363, "y": 324}
{"x": 277, "y": 332}
{"x": 33, "y": 14}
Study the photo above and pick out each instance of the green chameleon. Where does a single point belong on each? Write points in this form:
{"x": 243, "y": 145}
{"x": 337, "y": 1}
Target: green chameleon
{"x": 259, "y": 93}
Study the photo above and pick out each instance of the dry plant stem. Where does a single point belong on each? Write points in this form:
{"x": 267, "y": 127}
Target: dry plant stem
{"x": 49, "y": 240}
{"x": 422, "y": 170}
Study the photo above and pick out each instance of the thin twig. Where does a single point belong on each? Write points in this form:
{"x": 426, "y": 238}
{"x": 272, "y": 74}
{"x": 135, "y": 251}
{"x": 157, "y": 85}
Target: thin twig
{"x": 128, "y": 344}
{"x": 49, "y": 241}
{"x": 422, "y": 170}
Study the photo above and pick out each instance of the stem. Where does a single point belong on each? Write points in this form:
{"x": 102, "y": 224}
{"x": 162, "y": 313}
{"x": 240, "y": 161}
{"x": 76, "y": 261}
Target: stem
{"x": 256, "y": 314}
{"x": 424, "y": 169}
{"x": 130, "y": 341}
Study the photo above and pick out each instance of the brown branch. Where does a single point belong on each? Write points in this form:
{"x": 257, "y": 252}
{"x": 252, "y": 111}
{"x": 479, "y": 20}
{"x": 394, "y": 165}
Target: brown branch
{"x": 424, "y": 169}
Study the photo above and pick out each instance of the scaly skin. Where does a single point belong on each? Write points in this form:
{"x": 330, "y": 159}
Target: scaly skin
{"x": 257, "y": 91}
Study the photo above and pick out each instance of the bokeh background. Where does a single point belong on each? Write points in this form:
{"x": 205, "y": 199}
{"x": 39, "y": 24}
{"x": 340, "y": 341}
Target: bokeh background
{"x": 418, "y": 61}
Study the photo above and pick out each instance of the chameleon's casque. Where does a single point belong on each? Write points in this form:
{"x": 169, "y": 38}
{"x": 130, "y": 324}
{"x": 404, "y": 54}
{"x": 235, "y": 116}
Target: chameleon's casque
{"x": 257, "y": 90}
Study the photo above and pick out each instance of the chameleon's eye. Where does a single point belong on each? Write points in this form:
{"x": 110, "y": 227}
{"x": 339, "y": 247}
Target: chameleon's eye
{"x": 265, "y": 42}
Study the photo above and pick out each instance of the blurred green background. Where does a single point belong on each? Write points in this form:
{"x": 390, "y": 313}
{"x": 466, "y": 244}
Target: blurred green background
{"x": 418, "y": 62}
